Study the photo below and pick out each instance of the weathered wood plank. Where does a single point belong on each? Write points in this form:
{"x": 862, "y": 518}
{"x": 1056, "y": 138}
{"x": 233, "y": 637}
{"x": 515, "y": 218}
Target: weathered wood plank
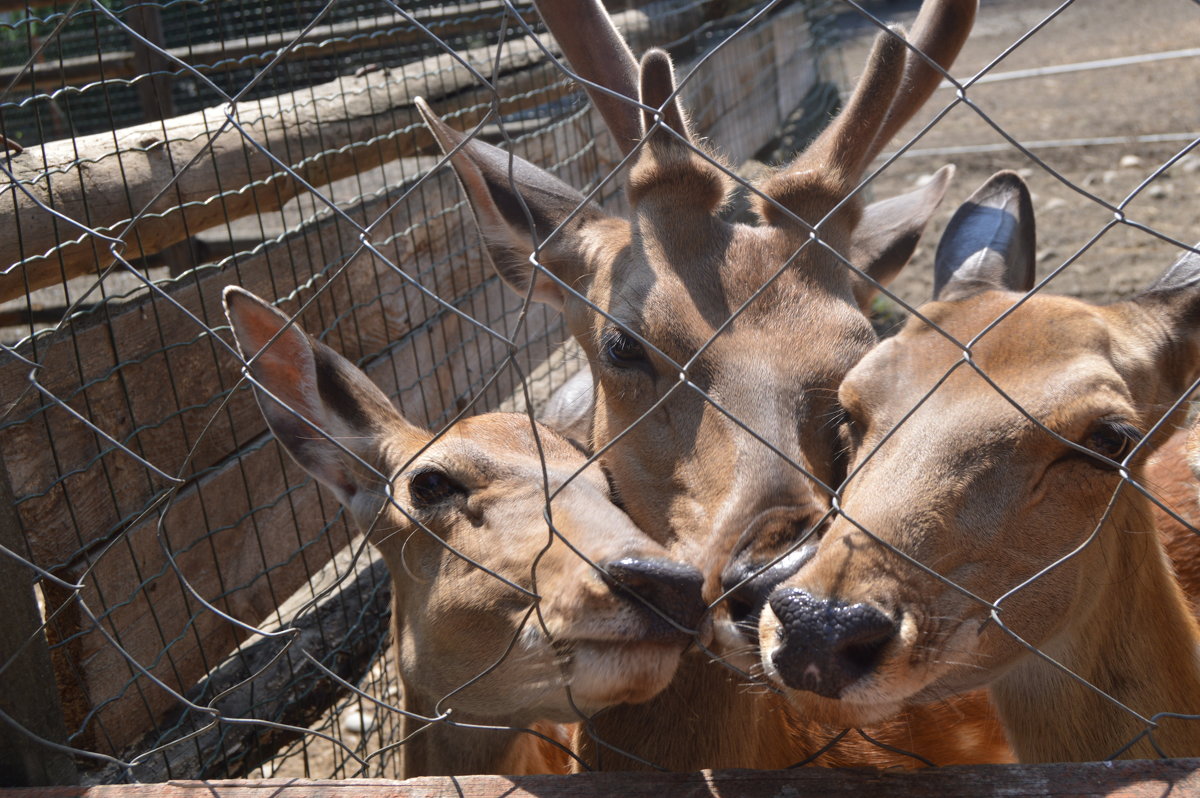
{"x": 1128, "y": 779}
{"x": 344, "y": 632}
{"x": 30, "y": 693}
{"x": 211, "y": 57}
{"x": 222, "y": 171}
{"x": 102, "y": 181}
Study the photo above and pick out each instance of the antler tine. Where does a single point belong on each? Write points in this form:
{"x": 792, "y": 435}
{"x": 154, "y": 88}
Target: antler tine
{"x": 940, "y": 30}
{"x": 657, "y": 83}
{"x": 598, "y": 53}
{"x": 846, "y": 145}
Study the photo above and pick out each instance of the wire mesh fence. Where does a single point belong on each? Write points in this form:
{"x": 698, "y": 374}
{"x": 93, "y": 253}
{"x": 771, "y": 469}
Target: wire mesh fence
{"x": 201, "y": 607}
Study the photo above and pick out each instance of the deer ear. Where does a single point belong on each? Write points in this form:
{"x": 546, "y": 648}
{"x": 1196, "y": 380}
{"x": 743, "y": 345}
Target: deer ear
{"x": 889, "y": 231}
{"x": 989, "y": 243}
{"x": 1173, "y": 301}
{"x": 517, "y": 206}
{"x": 311, "y": 396}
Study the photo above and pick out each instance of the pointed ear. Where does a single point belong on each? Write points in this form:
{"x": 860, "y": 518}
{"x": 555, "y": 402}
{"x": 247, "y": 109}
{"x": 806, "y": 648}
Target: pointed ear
{"x": 314, "y": 395}
{"x": 889, "y": 231}
{"x": 1172, "y": 303}
{"x": 989, "y": 243}
{"x": 517, "y": 206}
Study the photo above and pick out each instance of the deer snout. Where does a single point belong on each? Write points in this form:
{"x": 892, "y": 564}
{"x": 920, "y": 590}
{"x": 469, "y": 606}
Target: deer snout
{"x": 827, "y": 645}
{"x": 748, "y": 584}
{"x": 669, "y": 591}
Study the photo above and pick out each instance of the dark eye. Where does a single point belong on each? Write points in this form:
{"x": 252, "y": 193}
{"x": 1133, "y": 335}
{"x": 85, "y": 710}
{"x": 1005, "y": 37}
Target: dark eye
{"x": 430, "y": 486}
{"x": 622, "y": 350}
{"x": 1113, "y": 439}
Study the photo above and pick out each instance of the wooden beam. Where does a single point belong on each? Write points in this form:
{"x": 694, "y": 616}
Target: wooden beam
{"x": 344, "y": 631}
{"x": 254, "y": 51}
{"x": 223, "y": 172}
{"x": 1178, "y": 778}
{"x": 29, "y": 696}
{"x": 324, "y": 133}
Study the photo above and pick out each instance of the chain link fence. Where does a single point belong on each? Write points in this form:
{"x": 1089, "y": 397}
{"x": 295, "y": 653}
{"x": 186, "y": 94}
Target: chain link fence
{"x": 187, "y": 602}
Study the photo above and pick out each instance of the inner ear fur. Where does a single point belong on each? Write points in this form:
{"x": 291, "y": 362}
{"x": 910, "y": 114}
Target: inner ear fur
{"x": 322, "y": 408}
{"x": 989, "y": 243}
{"x": 1171, "y": 313}
{"x": 520, "y": 208}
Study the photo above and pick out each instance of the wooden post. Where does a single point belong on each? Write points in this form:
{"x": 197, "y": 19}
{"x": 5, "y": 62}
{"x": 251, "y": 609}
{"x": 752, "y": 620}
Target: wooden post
{"x": 28, "y": 691}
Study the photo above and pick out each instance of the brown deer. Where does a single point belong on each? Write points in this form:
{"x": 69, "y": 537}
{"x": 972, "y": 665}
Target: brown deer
{"x": 499, "y": 618}
{"x": 988, "y": 533}
{"x": 716, "y": 348}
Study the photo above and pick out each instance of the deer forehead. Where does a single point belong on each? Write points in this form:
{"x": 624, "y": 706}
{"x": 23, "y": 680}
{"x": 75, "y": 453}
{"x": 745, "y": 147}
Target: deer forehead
{"x": 1041, "y": 352}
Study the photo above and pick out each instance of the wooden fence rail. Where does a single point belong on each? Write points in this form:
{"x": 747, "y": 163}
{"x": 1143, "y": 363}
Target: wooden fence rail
{"x": 1177, "y": 778}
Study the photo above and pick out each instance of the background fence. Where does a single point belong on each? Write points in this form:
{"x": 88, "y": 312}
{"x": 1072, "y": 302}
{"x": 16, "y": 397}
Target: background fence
{"x": 157, "y": 153}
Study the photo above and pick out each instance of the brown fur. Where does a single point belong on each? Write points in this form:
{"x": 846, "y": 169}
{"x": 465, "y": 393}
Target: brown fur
{"x": 672, "y": 274}
{"x": 970, "y": 487}
{"x": 468, "y": 640}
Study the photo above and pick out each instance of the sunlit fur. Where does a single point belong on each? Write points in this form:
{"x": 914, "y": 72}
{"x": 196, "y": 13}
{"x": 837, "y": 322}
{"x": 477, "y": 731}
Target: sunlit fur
{"x": 496, "y": 620}
{"x": 979, "y": 492}
{"x": 672, "y": 272}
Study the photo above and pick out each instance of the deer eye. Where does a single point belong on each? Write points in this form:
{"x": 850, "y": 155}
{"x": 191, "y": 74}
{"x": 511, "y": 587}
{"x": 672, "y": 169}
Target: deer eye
{"x": 1113, "y": 439}
{"x": 429, "y": 486}
{"x": 622, "y": 350}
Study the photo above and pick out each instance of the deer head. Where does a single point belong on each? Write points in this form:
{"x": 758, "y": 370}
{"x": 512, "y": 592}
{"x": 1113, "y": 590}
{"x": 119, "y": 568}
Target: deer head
{"x": 715, "y": 348}
{"x": 992, "y": 509}
{"x": 519, "y": 594}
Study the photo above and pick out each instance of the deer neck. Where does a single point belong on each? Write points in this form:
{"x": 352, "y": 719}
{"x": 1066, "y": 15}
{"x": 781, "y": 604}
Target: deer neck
{"x": 707, "y": 718}
{"x": 443, "y": 749}
{"x": 1138, "y": 644}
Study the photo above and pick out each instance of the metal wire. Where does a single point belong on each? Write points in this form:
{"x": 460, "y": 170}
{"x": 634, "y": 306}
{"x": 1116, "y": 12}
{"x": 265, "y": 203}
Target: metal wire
{"x": 197, "y": 590}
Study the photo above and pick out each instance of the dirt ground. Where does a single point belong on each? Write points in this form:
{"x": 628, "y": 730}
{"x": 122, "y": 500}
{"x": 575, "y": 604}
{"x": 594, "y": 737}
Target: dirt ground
{"x": 1081, "y": 110}
{"x": 1095, "y": 113}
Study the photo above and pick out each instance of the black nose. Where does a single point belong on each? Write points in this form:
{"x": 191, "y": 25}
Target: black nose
{"x": 749, "y": 584}
{"x": 668, "y": 587}
{"x": 827, "y": 645}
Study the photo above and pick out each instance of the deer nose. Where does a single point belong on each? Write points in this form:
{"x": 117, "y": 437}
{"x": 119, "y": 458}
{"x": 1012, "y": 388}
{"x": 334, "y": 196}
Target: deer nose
{"x": 827, "y": 645}
{"x": 748, "y": 584}
{"x": 672, "y": 588}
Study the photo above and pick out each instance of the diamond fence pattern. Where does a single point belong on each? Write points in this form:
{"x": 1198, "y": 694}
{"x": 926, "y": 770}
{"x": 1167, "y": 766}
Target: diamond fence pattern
{"x": 201, "y": 607}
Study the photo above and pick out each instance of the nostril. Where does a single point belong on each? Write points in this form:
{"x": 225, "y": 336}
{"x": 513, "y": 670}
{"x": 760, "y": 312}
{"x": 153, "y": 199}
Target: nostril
{"x": 673, "y": 588}
{"x": 862, "y": 648}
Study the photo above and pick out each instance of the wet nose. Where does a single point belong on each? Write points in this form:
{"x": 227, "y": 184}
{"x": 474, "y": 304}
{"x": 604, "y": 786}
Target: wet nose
{"x": 748, "y": 584}
{"x": 826, "y": 644}
{"x": 672, "y": 588}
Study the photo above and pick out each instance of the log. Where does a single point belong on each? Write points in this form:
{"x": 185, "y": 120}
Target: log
{"x": 115, "y": 185}
{"x": 254, "y": 51}
{"x": 1168, "y": 778}
{"x": 345, "y": 632}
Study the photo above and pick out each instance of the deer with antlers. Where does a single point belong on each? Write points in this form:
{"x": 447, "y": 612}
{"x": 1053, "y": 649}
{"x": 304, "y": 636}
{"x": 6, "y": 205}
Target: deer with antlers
{"x": 991, "y": 531}
{"x": 716, "y": 349}
{"x": 521, "y": 593}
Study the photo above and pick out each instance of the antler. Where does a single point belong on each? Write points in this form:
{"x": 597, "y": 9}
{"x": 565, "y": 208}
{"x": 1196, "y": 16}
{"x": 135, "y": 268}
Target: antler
{"x": 939, "y": 32}
{"x": 598, "y": 54}
{"x": 896, "y": 82}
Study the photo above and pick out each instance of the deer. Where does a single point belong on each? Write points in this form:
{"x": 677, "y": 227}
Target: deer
{"x": 715, "y": 349}
{"x": 521, "y": 594}
{"x": 991, "y": 531}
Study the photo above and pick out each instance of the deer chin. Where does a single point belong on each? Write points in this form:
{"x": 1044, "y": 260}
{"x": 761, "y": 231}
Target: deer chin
{"x": 605, "y": 673}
